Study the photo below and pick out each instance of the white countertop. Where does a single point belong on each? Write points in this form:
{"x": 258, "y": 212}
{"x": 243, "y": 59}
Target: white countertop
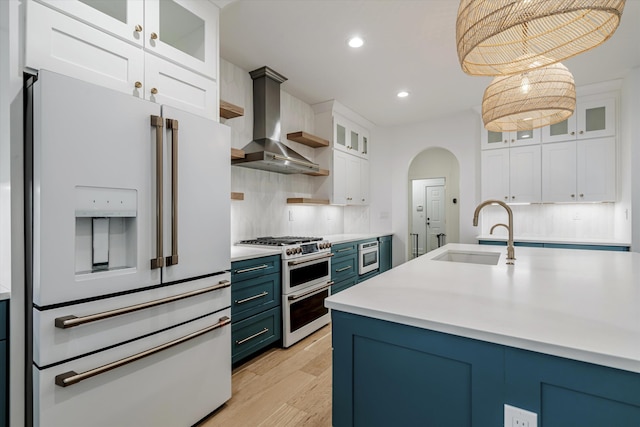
{"x": 578, "y": 304}
{"x": 5, "y": 292}
{"x": 561, "y": 240}
{"x": 240, "y": 253}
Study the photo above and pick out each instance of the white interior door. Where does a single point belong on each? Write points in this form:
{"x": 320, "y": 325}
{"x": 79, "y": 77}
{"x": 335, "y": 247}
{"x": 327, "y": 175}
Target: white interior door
{"x": 203, "y": 188}
{"x": 435, "y": 221}
{"x": 93, "y": 158}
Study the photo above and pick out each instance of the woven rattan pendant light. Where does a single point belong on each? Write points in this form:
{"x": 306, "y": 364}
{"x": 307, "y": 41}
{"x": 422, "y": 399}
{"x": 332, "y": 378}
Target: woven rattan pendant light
{"x": 500, "y": 37}
{"x": 540, "y": 97}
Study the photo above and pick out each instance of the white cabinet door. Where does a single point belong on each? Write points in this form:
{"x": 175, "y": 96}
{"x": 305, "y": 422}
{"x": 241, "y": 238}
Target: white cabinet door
{"x": 490, "y": 140}
{"x": 104, "y": 160}
{"x": 495, "y": 174}
{"x": 559, "y": 172}
{"x": 179, "y": 87}
{"x": 596, "y": 170}
{"x": 364, "y": 181}
{"x": 596, "y": 117}
{"x": 562, "y": 131}
{"x": 339, "y": 172}
{"x": 120, "y": 18}
{"x": 62, "y": 44}
{"x": 364, "y": 145}
{"x": 202, "y": 216}
{"x": 185, "y": 32}
{"x": 353, "y": 180}
{"x": 524, "y": 137}
{"x": 524, "y": 174}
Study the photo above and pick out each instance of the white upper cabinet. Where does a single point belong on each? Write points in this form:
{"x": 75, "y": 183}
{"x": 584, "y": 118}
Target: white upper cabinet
{"x": 594, "y": 117}
{"x": 350, "y": 137}
{"x": 512, "y": 174}
{"x": 120, "y": 43}
{"x": 350, "y": 180}
{"x": 490, "y": 140}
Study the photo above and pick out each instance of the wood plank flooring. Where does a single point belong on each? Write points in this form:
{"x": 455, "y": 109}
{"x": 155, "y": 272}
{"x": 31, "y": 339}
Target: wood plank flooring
{"x": 282, "y": 387}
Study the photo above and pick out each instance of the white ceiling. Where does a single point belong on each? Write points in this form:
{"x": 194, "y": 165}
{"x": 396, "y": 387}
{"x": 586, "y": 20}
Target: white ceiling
{"x": 409, "y": 45}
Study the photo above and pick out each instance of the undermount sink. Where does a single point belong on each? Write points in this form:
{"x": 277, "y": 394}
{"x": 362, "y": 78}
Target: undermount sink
{"x": 487, "y": 258}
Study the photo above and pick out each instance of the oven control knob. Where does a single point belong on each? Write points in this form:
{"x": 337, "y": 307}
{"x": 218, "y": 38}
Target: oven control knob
{"x": 288, "y": 251}
{"x": 299, "y": 250}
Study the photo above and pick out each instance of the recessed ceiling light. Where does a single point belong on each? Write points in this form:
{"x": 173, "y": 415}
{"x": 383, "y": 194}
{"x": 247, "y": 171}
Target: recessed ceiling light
{"x": 356, "y": 42}
{"x": 403, "y": 94}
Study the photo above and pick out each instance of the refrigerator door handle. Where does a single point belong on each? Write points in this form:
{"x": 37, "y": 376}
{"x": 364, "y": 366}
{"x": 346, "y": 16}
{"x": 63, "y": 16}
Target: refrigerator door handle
{"x": 69, "y": 378}
{"x": 173, "y": 258}
{"x": 158, "y": 261}
{"x": 66, "y": 322}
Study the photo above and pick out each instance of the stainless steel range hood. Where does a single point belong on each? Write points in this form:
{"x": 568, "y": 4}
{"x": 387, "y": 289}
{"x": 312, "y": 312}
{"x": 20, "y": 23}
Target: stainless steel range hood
{"x": 266, "y": 151}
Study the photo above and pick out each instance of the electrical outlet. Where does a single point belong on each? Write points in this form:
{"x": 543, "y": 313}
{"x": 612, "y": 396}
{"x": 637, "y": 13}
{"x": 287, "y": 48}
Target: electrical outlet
{"x": 516, "y": 417}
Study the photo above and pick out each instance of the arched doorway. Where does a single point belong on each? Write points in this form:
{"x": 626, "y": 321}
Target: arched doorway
{"x": 434, "y": 187}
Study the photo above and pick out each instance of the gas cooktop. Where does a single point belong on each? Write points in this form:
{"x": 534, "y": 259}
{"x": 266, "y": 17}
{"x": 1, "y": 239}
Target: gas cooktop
{"x": 280, "y": 241}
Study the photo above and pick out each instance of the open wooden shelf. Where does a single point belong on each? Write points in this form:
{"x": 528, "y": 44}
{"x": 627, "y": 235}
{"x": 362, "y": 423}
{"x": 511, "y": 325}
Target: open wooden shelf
{"x": 230, "y": 111}
{"x": 321, "y": 172}
{"x": 305, "y": 201}
{"x": 237, "y": 196}
{"x": 308, "y": 139}
{"x": 236, "y": 153}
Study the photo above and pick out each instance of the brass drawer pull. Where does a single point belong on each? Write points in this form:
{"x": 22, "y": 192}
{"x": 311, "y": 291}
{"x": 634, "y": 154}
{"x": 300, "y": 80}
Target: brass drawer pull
{"x": 242, "y": 301}
{"x": 340, "y": 270}
{"x": 249, "y": 338}
{"x": 246, "y": 270}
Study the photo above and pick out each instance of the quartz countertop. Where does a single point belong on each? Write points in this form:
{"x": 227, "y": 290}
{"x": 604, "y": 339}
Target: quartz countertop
{"x": 560, "y": 240}
{"x": 240, "y": 253}
{"x": 577, "y": 304}
{"x": 5, "y": 292}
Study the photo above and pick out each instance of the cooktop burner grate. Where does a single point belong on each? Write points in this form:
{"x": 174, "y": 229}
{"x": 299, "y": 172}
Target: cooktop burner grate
{"x": 280, "y": 241}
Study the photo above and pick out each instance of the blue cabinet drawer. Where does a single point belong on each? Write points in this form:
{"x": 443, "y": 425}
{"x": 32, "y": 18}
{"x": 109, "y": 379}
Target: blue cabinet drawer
{"x": 344, "y": 267}
{"x": 4, "y": 320}
{"x": 343, "y": 284}
{"x": 255, "y": 333}
{"x": 249, "y": 297}
{"x": 344, "y": 249}
{"x": 242, "y": 270}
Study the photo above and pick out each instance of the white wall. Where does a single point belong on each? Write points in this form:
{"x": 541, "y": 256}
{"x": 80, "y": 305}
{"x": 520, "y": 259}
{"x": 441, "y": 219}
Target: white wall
{"x": 631, "y": 130}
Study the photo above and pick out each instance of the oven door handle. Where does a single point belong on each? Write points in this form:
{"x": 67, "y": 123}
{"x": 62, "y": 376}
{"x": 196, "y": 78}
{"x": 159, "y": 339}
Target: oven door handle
{"x": 298, "y": 296}
{"x": 69, "y": 378}
{"x": 304, "y": 261}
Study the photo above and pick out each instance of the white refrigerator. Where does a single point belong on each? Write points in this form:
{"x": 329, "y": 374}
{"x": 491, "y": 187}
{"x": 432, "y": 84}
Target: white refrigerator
{"x": 128, "y": 213}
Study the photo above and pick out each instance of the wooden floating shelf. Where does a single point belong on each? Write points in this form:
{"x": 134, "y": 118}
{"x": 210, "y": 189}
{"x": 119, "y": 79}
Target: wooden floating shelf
{"x": 237, "y": 196}
{"x": 236, "y": 153}
{"x": 308, "y": 139}
{"x": 305, "y": 201}
{"x": 321, "y": 172}
{"x": 230, "y": 111}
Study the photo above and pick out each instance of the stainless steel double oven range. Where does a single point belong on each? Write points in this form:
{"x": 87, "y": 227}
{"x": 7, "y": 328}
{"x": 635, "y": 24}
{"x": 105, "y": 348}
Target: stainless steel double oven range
{"x": 306, "y": 282}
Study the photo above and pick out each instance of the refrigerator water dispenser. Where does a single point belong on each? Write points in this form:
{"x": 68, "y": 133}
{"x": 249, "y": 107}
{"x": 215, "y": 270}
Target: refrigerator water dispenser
{"x": 105, "y": 229}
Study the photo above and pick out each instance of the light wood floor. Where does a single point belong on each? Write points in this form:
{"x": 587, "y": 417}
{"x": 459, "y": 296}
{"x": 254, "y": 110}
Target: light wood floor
{"x": 282, "y": 387}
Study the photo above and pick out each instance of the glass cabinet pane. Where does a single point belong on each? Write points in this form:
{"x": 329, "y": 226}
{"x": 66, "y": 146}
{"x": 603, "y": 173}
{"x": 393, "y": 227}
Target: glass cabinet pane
{"x": 116, "y": 9}
{"x": 561, "y": 128}
{"x": 595, "y": 119}
{"x": 341, "y": 135}
{"x": 354, "y": 140}
{"x": 365, "y": 145}
{"x": 181, "y": 29}
{"x": 524, "y": 134}
{"x": 494, "y": 137}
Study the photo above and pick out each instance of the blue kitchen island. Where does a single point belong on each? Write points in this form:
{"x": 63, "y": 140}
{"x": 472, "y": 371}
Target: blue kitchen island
{"x": 444, "y": 340}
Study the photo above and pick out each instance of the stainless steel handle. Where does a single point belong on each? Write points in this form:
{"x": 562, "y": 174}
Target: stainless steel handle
{"x": 69, "y": 378}
{"x": 249, "y": 338}
{"x": 66, "y": 322}
{"x": 340, "y": 270}
{"x": 304, "y": 261}
{"x": 246, "y": 270}
{"x": 173, "y": 258}
{"x": 292, "y": 160}
{"x": 344, "y": 250}
{"x": 158, "y": 261}
{"x": 298, "y": 296}
{"x": 242, "y": 301}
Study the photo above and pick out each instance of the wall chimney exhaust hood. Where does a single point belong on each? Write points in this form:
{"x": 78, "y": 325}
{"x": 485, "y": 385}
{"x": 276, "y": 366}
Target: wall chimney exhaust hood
{"x": 266, "y": 151}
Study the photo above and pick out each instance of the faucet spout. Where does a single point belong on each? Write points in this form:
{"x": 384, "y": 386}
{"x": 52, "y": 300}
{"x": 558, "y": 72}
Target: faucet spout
{"x": 510, "y": 250}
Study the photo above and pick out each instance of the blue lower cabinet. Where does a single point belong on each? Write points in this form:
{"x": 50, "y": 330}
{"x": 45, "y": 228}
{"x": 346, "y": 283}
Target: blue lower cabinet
{"x": 343, "y": 284}
{"x": 386, "y": 374}
{"x": 249, "y": 297}
{"x": 344, "y": 267}
{"x": 4, "y": 363}
{"x": 557, "y": 245}
{"x": 254, "y": 333}
{"x": 384, "y": 247}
